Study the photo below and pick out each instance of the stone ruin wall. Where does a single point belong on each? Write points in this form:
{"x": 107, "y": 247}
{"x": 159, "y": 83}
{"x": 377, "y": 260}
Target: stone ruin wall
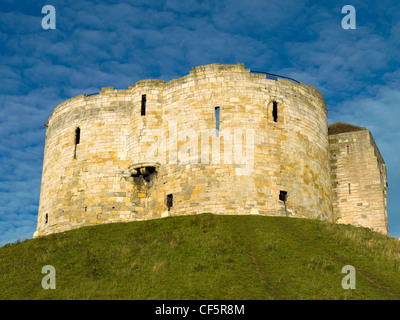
{"x": 359, "y": 181}
{"x": 104, "y": 183}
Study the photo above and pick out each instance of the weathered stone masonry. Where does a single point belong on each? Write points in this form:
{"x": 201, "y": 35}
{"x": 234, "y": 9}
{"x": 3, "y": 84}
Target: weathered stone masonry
{"x": 358, "y": 177}
{"x": 98, "y": 166}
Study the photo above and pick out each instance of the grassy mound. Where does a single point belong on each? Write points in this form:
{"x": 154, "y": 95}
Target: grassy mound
{"x": 204, "y": 257}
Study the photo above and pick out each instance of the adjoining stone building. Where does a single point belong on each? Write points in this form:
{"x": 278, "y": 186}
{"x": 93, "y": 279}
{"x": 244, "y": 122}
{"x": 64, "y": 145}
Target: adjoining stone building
{"x": 222, "y": 139}
{"x": 359, "y": 181}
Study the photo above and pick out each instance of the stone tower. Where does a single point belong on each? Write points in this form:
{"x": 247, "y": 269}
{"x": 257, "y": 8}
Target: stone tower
{"x": 221, "y": 139}
{"x": 358, "y": 178}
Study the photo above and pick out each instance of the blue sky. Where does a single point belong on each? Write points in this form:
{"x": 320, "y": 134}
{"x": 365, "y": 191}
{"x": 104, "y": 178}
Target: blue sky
{"x": 116, "y": 43}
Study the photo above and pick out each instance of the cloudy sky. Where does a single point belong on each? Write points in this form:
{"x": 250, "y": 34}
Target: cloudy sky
{"x": 116, "y": 43}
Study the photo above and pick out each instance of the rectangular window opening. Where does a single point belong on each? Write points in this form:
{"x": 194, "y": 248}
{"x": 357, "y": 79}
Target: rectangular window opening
{"x": 348, "y": 149}
{"x": 143, "y": 109}
{"x": 275, "y": 111}
{"x": 283, "y": 196}
{"x": 217, "y": 114}
{"x": 77, "y": 135}
{"x": 77, "y": 139}
{"x": 349, "y": 189}
{"x": 170, "y": 199}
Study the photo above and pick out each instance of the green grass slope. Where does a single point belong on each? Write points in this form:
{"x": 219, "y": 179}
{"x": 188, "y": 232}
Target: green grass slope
{"x": 204, "y": 257}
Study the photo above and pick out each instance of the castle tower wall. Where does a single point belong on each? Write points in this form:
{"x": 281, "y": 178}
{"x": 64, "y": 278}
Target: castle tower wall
{"x": 358, "y": 178}
{"x": 272, "y": 140}
{"x": 145, "y": 133}
{"x": 86, "y": 185}
{"x": 289, "y": 155}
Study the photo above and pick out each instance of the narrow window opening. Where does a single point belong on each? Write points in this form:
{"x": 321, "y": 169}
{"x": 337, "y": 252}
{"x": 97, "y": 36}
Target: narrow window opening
{"x": 143, "y": 111}
{"x": 217, "y": 114}
{"x": 349, "y": 189}
{"x": 170, "y": 199}
{"x": 348, "y": 149}
{"x": 77, "y": 135}
{"x": 46, "y": 218}
{"x": 77, "y": 139}
{"x": 283, "y": 197}
{"x": 275, "y": 111}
